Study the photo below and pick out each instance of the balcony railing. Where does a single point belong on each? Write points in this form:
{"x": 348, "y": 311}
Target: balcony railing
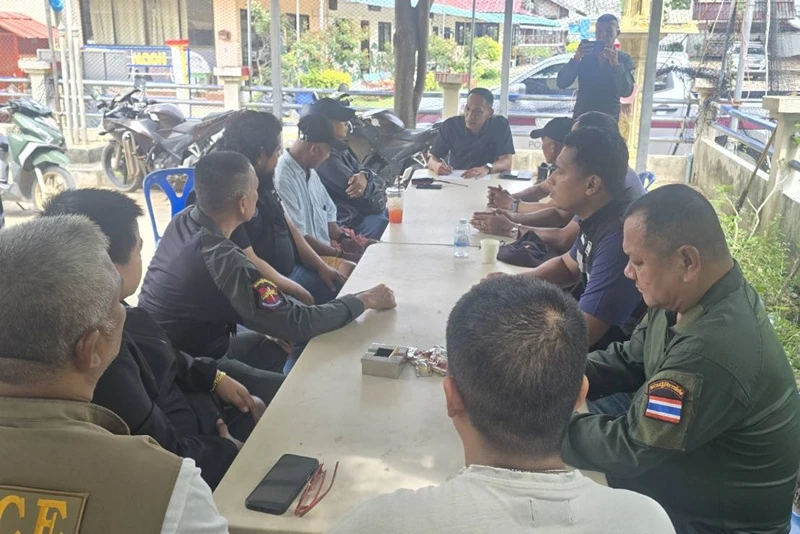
{"x": 721, "y": 11}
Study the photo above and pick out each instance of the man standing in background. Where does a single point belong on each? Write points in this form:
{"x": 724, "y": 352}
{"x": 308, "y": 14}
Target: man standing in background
{"x": 604, "y": 74}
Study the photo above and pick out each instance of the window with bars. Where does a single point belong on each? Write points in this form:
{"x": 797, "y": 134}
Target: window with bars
{"x": 482, "y": 29}
{"x": 384, "y": 35}
{"x": 305, "y": 22}
{"x": 365, "y": 30}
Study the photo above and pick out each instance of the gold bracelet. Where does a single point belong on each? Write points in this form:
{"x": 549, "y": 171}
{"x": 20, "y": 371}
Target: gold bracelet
{"x": 218, "y": 379}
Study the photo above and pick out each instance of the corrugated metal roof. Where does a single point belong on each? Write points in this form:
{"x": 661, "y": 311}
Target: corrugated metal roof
{"x": 22, "y": 26}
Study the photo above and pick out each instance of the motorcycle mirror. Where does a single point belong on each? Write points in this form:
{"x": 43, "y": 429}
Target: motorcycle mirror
{"x": 139, "y": 82}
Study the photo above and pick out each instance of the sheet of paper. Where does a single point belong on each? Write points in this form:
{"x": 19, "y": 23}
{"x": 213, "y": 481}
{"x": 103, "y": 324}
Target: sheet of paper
{"x": 460, "y": 176}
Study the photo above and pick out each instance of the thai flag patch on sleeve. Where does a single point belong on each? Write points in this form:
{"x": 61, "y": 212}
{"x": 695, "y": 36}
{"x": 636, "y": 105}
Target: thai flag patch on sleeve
{"x": 665, "y": 401}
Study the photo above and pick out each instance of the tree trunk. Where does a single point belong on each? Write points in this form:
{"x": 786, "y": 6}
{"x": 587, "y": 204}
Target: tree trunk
{"x": 423, "y": 19}
{"x": 410, "y": 44}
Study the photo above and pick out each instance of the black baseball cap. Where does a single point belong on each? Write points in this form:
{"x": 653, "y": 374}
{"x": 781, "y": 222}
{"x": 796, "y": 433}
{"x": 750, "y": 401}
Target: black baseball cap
{"x": 557, "y": 129}
{"x": 314, "y": 128}
{"x": 333, "y": 110}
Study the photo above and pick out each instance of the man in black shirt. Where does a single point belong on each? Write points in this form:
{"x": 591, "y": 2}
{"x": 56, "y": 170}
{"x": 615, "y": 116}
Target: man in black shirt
{"x": 357, "y": 192}
{"x": 270, "y": 239}
{"x": 477, "y": 141}
{"x": 186, "y": 404}
{"x": 200, "y": 285}
{"x": 604, "y": 74}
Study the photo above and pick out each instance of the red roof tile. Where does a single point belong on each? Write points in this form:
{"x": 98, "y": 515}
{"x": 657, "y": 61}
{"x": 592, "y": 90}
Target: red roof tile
{"x": 22, "y": 26}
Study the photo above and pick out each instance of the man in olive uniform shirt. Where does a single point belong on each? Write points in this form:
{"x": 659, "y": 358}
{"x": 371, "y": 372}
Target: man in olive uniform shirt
{"x": 200, "y": 284}
{"x": 713, "y": 426}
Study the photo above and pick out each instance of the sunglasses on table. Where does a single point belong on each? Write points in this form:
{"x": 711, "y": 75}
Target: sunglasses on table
{"x": 306, "y": 501}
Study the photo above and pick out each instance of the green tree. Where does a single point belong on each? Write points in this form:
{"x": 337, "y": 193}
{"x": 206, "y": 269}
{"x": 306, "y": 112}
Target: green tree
{"x": 410, "y": 57}
{"x": 487, "y": 49}
{"x": 344, "y": 40}
{"x": 260, "y": 21}
{"x": 441, "y": 52}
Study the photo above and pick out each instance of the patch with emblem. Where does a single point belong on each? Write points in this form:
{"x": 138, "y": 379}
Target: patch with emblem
{"x": 268, "y": 296}
{"x": 40, "y": 510}
{"x": 665, "y": 401}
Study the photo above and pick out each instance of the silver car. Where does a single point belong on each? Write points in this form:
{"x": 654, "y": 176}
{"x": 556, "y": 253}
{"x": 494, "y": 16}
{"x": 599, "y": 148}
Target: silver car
{"x": 755, "y": 65}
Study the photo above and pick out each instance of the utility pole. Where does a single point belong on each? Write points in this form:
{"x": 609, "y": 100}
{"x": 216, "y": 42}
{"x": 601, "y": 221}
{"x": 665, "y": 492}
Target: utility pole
{"x": 505, "y": 71}
{"x": 275, "y": 60}
{"x": 471, "y": 47}
{"x": 746, "y": 27}
{"x": 650, "y": 67}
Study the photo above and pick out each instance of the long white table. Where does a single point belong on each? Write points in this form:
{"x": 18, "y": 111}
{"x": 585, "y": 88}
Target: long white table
{"x": 386, "y": 434}
{"x": 430, "y": 215}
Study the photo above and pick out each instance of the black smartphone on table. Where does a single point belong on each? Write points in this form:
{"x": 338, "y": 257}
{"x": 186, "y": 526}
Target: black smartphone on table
{"x": 429, "y": 186}
{"x": 516, "y": 175}
{"x": 284, "y": 482}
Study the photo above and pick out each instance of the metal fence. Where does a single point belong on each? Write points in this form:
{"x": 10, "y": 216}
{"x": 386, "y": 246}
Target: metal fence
{"x": 14, "y": 88}
{"x": 331, "y": 45}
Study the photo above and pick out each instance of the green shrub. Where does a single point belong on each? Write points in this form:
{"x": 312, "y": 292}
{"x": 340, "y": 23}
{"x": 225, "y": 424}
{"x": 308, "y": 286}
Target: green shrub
{"x": 431, "y": 85}
{"x": 487, "y": 49}
{"x": 490, "y": 73}
{"x": 441, "y": 52}
{"x": 766, "y": 264}
{"x": 324, "y": 79}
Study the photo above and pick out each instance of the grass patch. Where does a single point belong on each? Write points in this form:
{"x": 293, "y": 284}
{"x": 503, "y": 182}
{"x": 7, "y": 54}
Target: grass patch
{"x": 382, "y": 102}
{"x": 767, "y": 264}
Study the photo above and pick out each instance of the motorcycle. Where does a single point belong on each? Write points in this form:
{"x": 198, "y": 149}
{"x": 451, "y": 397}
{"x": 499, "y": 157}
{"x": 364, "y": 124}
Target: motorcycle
{"x": 383, "y": 144}
{"x": 149, "y": 136}
{"x": 33, "y": 155}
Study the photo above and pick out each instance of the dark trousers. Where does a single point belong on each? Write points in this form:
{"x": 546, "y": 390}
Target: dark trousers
{"x": 256, "y": 362}
{"x": 372, "y": 226}
{"x": 616, "y": 404}
{"x": 311, "y": 282}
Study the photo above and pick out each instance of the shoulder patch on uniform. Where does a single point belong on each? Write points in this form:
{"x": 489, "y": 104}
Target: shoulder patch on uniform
{"x": 35, "y": 509}
{"x": 665, "y": 400}
{"x": 268, "y": 296}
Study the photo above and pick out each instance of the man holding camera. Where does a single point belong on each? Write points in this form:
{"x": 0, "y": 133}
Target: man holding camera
{"x": 604, "y": 74}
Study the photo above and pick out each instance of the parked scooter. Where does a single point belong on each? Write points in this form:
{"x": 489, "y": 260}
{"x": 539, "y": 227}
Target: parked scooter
{"x": 148, "y": 136}
{"x": 33, "y": 155}
{"x": 383, "y": 144}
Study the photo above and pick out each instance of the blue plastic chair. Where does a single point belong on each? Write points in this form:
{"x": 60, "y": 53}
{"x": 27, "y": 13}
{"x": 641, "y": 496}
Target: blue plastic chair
{"x": 648, "y": 178}
{"x": 177, "y": 202}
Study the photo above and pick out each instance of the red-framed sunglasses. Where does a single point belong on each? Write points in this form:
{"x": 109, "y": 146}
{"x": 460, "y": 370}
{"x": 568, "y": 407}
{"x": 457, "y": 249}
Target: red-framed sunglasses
{"x": 317, "y": 480}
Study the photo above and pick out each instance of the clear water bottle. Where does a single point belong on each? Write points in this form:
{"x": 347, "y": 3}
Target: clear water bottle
{"x": 461, "y": 239}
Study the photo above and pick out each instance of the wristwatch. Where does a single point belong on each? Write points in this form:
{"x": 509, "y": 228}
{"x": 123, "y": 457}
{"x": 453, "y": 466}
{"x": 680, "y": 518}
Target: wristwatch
{"x": 515, "y": 205}
{"x": 515, "y": 231}
{"x": 490, "y": 167}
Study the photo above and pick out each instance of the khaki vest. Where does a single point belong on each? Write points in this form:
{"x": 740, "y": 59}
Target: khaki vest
{"x": 70, "y": 467}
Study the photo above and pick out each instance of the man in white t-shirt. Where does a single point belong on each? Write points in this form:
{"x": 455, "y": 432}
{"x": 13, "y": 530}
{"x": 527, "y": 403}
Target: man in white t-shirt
{"x": 305, "y": 199}
{"x": 517, "y": 353}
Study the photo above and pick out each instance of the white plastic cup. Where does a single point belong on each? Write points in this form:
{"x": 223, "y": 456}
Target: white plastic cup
{"x": 489, "y": 250}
